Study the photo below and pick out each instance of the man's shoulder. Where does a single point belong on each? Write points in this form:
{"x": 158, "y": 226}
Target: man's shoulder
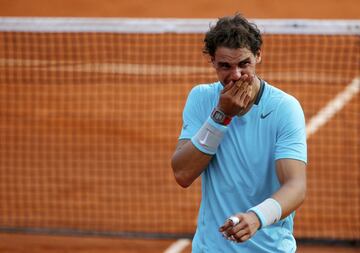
{"x": 206, "y": 87}
{"x": 205, "y": 91}
{"x": 278, "y": 96}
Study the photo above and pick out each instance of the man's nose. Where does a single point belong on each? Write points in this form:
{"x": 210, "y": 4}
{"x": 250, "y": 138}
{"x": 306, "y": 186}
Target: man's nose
{"x": 236, "y": 73}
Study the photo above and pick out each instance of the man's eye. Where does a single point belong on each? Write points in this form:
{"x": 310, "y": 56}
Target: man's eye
{"x": 224, "y": 66}
{"x": 244, "y": 64}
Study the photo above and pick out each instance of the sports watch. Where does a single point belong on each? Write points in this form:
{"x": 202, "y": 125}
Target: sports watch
{"x": 219, "y": 117}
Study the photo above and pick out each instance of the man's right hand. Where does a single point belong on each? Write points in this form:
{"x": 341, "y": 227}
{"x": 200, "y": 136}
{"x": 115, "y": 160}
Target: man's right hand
{"x": 235, "y": 96}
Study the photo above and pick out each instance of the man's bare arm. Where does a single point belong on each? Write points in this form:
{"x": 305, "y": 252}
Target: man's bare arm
{"x": 188, "y": 163}
{"x": 292, "y": 177}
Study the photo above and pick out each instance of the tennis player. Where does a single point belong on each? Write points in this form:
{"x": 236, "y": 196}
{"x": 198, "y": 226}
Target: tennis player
{"x": 247, "y": 140}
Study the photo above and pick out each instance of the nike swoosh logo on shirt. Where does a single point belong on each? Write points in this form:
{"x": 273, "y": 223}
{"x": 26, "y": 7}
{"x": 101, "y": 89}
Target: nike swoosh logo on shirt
{"x": 263, "y": 116}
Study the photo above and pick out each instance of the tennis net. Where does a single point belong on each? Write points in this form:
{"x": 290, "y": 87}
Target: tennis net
{"x": 90, "y": 111}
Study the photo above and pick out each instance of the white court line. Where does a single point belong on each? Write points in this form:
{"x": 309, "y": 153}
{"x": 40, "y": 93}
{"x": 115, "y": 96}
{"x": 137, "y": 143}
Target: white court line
{"x": 323, "y": 116}
{"x": 155, "y": 69}
{"x": 104, "y": 67}
{"x": 335, "y": 105}
{"x": 178, "y": 246}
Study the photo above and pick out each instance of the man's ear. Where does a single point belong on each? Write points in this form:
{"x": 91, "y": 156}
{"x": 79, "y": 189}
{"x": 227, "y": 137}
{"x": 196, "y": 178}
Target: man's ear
{"x": 258, "y": 56}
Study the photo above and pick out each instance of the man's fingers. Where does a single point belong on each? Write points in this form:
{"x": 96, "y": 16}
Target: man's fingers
{"x": 245, "y": 92}
{"x": 240, "y": 230}
{"x": 237, "y": 239}
{"x": 231, "y": 88}
{"x": 243, "y": 238}
{"x": 235, "y": 88}
{"x": 239, "y": 233}
{"x": 242, "y": 81}
{"x": 229, "y": 225}
{"x": 243, "y": 86}
{"x": 236, "y": 96}
{"x": 233, "y": 230}
{"x": 239, "y": 86}
{"x": 245, "y": 97}
{"x": 228, "y": 86}
{"x": 226, "y": 226}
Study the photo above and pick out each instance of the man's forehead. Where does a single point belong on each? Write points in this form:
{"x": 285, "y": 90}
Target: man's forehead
{"x": 230, "y": 55}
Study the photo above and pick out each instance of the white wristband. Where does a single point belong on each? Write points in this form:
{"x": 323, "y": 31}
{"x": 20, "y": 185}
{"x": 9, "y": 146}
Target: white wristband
{"x": 269, "y": 212}
{"x": 209, "y": 136}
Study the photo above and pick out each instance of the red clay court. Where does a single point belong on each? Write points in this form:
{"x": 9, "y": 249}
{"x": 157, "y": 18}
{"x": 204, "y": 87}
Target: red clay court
{"x": 79, "y": 172}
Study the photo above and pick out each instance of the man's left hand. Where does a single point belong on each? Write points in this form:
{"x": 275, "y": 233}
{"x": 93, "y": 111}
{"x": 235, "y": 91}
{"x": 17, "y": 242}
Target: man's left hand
{"x": 244, "y": 230}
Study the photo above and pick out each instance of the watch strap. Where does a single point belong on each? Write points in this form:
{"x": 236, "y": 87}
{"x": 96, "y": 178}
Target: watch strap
{"x": 220, "y": 117}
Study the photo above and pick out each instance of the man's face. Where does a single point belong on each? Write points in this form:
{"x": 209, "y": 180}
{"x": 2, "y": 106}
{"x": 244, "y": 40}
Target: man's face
{"x": 230, "y": 64}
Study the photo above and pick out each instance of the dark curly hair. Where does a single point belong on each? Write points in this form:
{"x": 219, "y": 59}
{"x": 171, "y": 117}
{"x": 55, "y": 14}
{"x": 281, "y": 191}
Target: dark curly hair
{"x": 232, "y": 32}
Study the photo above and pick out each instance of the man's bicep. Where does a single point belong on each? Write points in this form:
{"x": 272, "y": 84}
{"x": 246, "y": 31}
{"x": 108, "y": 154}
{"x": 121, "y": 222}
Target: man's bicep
{"x": 290, "y": 169}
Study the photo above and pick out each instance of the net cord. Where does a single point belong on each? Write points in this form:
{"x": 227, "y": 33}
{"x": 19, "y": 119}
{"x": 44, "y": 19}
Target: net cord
{"x": 170, "y": 25}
